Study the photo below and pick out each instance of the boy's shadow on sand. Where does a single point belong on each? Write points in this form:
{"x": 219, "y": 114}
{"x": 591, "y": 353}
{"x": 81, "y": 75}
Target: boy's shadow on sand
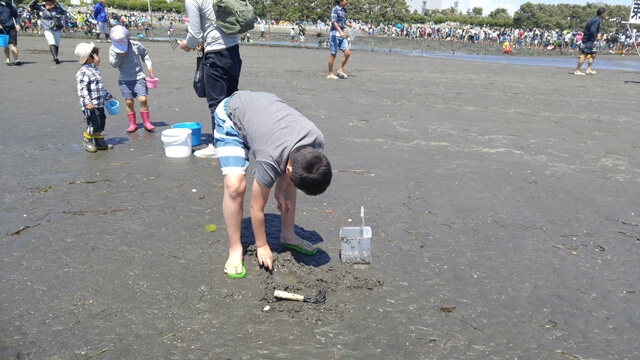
{"x": 272, "y": 225}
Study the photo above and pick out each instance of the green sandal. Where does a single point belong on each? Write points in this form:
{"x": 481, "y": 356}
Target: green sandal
{"x": 300, "y": 247}
{"x": 228, "y": 267}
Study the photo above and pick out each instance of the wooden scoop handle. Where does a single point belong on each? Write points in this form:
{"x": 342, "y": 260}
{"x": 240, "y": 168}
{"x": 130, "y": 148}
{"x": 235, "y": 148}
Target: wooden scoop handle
{"x": 288, "y": 296}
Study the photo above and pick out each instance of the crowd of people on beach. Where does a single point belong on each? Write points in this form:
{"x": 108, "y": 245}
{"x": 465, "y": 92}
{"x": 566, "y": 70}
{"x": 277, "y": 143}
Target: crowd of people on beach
{"x": 83, "y": 20}
{"x": 621, "y": 41}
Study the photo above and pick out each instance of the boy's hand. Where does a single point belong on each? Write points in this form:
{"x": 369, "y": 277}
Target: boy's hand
{"x": 284, "y": 205}
{"x": 89, "y": 106}
{"x": 265, "y": 257}
{"x": 183, "y": 46}
{"x": 151, "y": 73}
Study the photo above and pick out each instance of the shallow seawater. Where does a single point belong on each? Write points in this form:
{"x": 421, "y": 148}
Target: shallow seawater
{"x": 606, "y": 64}
{"x": 434, "y": 49}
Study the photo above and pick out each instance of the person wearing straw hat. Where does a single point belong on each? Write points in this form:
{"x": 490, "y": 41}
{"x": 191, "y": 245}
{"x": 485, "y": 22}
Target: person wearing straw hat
{"x": 93, "y": 96}
{"x": 53, "y": 16}
{"x": 9, "y": 24}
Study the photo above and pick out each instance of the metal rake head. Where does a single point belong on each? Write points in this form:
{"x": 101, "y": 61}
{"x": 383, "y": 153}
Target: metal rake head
{"x": 174, "y": 44}
{"x": 320, "y": 298}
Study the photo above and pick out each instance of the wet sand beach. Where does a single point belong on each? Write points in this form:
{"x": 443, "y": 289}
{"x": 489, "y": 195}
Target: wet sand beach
{"x": 502, "y": 200}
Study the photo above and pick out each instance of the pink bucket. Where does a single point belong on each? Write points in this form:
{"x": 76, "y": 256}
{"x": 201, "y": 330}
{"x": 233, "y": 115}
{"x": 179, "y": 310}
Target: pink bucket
{"x": 152, "y": 83}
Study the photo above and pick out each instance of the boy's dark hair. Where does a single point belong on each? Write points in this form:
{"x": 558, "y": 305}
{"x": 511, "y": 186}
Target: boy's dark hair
{"x": 601, "y": 11}
{"x": 311, "y": 170}
{"x": 95, "y": 51}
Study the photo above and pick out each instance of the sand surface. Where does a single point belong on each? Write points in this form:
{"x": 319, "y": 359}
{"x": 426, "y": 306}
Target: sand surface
{"x": 502, "y": 199}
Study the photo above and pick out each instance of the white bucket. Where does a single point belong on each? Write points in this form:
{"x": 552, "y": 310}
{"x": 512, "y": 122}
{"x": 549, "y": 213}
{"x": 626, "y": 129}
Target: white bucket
{"x": 177, "y": 142}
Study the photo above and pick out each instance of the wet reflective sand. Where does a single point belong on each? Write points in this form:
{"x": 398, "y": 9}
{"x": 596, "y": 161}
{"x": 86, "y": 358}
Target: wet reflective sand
{"x": 502, "y": 200}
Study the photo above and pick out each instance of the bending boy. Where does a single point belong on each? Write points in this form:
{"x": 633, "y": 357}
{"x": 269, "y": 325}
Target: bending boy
{"x": 287, "y": 149}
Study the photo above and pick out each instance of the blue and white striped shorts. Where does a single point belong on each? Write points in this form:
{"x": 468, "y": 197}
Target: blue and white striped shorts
{"x": 233, "y": 155}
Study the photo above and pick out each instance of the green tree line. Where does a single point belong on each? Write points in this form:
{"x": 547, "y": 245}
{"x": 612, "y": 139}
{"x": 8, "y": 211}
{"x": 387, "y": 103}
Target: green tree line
{"x": 529, "y": 15}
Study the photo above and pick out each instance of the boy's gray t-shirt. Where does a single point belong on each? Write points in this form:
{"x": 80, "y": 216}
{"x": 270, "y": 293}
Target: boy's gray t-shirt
{"x": 270, "y": 129}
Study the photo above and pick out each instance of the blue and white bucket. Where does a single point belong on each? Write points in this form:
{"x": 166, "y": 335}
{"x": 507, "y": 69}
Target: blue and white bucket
{"x": 112, "y": 106}
{"x": 196, "y": 131}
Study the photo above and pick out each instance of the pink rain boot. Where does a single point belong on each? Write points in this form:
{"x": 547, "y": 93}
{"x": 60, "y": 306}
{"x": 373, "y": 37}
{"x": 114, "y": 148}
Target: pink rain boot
{"x": 132, "y": 122}
{"x": 145, "y": 121}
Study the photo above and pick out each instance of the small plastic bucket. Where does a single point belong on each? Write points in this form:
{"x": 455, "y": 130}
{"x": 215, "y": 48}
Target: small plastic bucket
{"x": 4, "y": 39}
{"x": 177, "y": 142}
{"x": 112, "y": 106}
{"x": 196, "y": 131}
{"x": 152, "y": 83}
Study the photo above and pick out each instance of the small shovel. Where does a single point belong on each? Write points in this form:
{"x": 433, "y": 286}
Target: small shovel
{"x": 320, "y": 297}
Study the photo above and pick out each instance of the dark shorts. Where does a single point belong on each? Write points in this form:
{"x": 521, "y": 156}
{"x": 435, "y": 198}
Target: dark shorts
{"x": 588, "y": 48}
{"x": 13, "y": 34}
{"x": 95, "y": 119}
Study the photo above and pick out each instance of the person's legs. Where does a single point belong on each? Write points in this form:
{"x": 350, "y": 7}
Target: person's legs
{"x": 333, "y": 50}
{"x": 99, "y": 126}
{"x": 343, "y": 62}
{"x": 14, "y": 51}
{"x": 131, "y": 115}
{"x": 332, "y": 58}
{"x": 13, "y": 46}
{"x": 232, "y": 209}
{"x": 221, "y": 76}
{"x": 580, "y": 62}
{"x": 233, "y": 158}
{"x": 144, "y": 114}
{"x": 144, "y": 105}
{"x": 589, "y": 63}
{"x": 51, "y": 40}
{"x": 130, "y": 104}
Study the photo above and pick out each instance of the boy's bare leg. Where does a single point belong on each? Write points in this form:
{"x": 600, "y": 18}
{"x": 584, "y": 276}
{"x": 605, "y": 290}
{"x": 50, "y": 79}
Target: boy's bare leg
{"x": 130, "y": 105}
{"x": 580, "y": 61}
{"x": 332, "y": 58}
{"x": 232, "y": 203}
{"x": 590, "y": 62}
{"x": 344, "y": 60}
{"x": 287, "y": 233}
{"x": 144, "y": 106}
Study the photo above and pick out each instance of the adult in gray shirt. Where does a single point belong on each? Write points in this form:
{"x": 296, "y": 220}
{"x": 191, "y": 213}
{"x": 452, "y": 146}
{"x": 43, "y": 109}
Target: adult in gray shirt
{"x": 221, "y": 53}
{"x": 287, "y": 149}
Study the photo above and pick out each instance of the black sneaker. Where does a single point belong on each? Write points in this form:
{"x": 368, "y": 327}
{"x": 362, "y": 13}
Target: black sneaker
{"x": 89, "y": 145}
{"x": 101, "y": 143}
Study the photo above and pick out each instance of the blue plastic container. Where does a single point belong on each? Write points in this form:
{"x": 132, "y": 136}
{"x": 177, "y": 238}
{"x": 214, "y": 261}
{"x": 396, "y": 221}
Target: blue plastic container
{"x": 112, "y": 106}
{"x": 4, "y": 39}
{"x": 196, "y": 131}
